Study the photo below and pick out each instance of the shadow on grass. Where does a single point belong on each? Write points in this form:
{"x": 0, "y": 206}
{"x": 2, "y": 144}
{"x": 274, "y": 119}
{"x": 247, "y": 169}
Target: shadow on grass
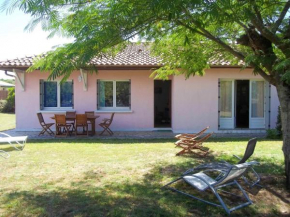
{"x": 93, "y": 196}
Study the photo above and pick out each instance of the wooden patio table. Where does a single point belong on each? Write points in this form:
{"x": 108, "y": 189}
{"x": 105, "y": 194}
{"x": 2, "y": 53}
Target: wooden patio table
{"x": 91, "y": 118}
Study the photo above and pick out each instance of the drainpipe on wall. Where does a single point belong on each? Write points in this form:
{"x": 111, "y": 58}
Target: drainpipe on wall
{"x": 6, "y": 73}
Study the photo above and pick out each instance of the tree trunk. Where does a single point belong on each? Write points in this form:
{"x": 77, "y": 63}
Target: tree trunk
{"x": 284, "y": 97}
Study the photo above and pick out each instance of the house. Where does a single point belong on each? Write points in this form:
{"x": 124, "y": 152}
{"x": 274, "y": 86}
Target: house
{"x": 227, "y": 98}
{"x": 5, "y": 85}
{"x": 4, "y": 89}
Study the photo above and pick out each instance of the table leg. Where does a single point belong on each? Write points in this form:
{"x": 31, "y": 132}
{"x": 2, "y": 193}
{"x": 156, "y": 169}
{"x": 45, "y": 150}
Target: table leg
{"x": 93, "y": 126}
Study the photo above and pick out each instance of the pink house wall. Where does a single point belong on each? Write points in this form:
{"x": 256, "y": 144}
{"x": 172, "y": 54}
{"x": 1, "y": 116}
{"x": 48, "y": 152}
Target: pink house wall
{"x": 194, "y": 101}
{"x": 142, "y": 90}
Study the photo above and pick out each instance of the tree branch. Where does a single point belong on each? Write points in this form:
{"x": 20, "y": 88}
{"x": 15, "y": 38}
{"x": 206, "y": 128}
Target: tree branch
{"x": 282, "y": 15}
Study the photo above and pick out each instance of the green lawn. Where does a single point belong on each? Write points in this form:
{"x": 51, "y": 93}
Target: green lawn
{"x": 123, "y": 178}
{"x": 7, "y": 121}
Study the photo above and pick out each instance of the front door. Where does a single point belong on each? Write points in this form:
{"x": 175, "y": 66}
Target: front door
{"x": 162, "y": 104}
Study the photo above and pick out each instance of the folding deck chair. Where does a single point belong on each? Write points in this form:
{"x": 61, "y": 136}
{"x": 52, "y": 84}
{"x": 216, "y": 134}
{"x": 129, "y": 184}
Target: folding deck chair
{"x": 199, "y": 179}
{"x": 13, "y": 141}
{"x": 188, "y": 145}
{"x": 185, "y": 136}
{"x": 248, "y": 153}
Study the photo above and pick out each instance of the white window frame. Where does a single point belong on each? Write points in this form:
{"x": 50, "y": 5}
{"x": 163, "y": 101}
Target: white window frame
{"x": 57, "y": 97}
{"x": 114, "y": 108}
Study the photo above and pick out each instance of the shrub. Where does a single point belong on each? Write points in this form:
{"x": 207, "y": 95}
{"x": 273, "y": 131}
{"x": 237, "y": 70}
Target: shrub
{"x": 277, "y": 132}
{"x": 9, "y": 107}
{"x": 272, "y": 134}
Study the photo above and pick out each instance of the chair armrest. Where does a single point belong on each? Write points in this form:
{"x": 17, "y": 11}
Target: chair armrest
{"x": 217, "y": 166}
{"x": 5, "y": 134}
{"x": 237, "y": 157}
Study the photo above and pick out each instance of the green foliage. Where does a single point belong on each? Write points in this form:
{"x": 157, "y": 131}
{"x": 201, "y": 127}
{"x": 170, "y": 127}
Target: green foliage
{"x": 9, "y": 107}
{"x": 273, "y": 134}
{"x": 10, "y": 81}
{"x": 186, "y": 34}
{"x": 276, "y": 133}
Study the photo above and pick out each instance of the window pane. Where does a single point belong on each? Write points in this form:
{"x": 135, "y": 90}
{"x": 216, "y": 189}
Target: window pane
{"x": 226, "y": 99}
{"x": 106, "y": 94}
{"x": 122, "y": 93}
{"x": 50, "y": 94}
{"x": 66, "y": 90}
{"x": 257, "y": 99}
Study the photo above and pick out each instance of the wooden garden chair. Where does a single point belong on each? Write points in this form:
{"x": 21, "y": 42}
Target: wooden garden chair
{"x": 90, "y": 113}
{"x": 81, "y": 121}
{"x": 45, "y": 126}
{"x": 106, "y": 123}
{"x": 191, "y": 144}
{"x": 62, "y": 128}
{"x": 185, "y": 136}
{"x": 71, "y": 119}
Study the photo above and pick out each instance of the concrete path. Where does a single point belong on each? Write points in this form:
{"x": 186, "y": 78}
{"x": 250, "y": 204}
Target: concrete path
{"x": 131, "y": 135}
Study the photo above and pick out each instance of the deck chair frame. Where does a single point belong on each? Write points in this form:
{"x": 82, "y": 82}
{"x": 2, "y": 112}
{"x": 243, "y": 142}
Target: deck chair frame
{"x": 186, "y": 136}
{"x": 228, "y": 175}
{"x": 248, "y": 153}
{"x": 189, "y": 145}
{"x": 13, "y": 141}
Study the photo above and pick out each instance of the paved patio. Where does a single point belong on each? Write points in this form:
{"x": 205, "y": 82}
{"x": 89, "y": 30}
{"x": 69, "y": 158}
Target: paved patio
{"x": 131, "y": 135}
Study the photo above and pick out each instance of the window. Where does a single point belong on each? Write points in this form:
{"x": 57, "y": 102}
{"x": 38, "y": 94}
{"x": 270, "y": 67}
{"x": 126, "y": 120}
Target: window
{"x": 226, "y": 99}
{"x": 257, "y": 99}
{"x": 114, "y": 95}
{"x": 54, "y": 94}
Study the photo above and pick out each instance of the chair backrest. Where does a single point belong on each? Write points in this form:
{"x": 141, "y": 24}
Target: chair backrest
{"x": 234, "y": 172}
{"x": 71, "y": 114}
{"x": 81, "y": 119}
{"x": 204, "y": 138}
{"x": 40, "y": 118}
{"x": 90, "y": 113}
{"x": 60, "y": 119}
{"x": 111, "y": 119}
{"x": 249, "y": 150}
{"x": 202, "y": 131}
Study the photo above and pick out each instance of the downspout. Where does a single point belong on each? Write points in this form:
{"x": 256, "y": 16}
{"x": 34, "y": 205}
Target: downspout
{"x": 6, "y": 73}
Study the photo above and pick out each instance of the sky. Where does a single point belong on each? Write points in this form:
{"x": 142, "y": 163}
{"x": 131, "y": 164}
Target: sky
{"x": 15, "y": 42}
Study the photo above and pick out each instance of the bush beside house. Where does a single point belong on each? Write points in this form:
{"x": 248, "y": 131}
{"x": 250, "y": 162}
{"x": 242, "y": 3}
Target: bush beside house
{"x": 8, "y": 105}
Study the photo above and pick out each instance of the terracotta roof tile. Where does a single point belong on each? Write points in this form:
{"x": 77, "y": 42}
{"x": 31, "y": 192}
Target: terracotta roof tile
{"x": 134, "y": 55}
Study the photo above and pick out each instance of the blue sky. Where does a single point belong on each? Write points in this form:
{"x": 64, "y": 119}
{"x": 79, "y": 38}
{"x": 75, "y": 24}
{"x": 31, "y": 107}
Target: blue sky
{"x": 17, "y": 43}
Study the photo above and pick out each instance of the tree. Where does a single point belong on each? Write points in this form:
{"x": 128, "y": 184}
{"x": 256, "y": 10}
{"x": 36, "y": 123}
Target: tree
{"x": 185, "y": 33}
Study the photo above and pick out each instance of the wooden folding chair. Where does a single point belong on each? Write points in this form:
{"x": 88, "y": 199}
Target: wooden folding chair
{"x": 45, "y": 126}
{"x": 190, "y": 136}
{"x": 62, "y": 128}
{"x": 188, "y": 145}
{"x": 70, "y": 119}
{"x": 90, "y": 113}
{"x": 81, "y": 121}
{"x": 106, "y": 124}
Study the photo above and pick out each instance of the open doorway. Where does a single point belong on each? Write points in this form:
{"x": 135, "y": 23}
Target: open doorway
{"x": 242, "y": 103}
{"x": 162, "y": 104}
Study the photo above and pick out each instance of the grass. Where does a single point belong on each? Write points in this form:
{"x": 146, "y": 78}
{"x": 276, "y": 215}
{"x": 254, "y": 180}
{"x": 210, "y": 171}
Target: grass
{"x": 7, "y": 121}
{"x": 123, "y": 178}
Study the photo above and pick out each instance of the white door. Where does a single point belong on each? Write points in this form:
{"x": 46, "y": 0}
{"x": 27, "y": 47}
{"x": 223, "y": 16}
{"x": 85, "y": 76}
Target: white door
{"x": 226, "y": 104}
{"x": 257, "y": 104}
